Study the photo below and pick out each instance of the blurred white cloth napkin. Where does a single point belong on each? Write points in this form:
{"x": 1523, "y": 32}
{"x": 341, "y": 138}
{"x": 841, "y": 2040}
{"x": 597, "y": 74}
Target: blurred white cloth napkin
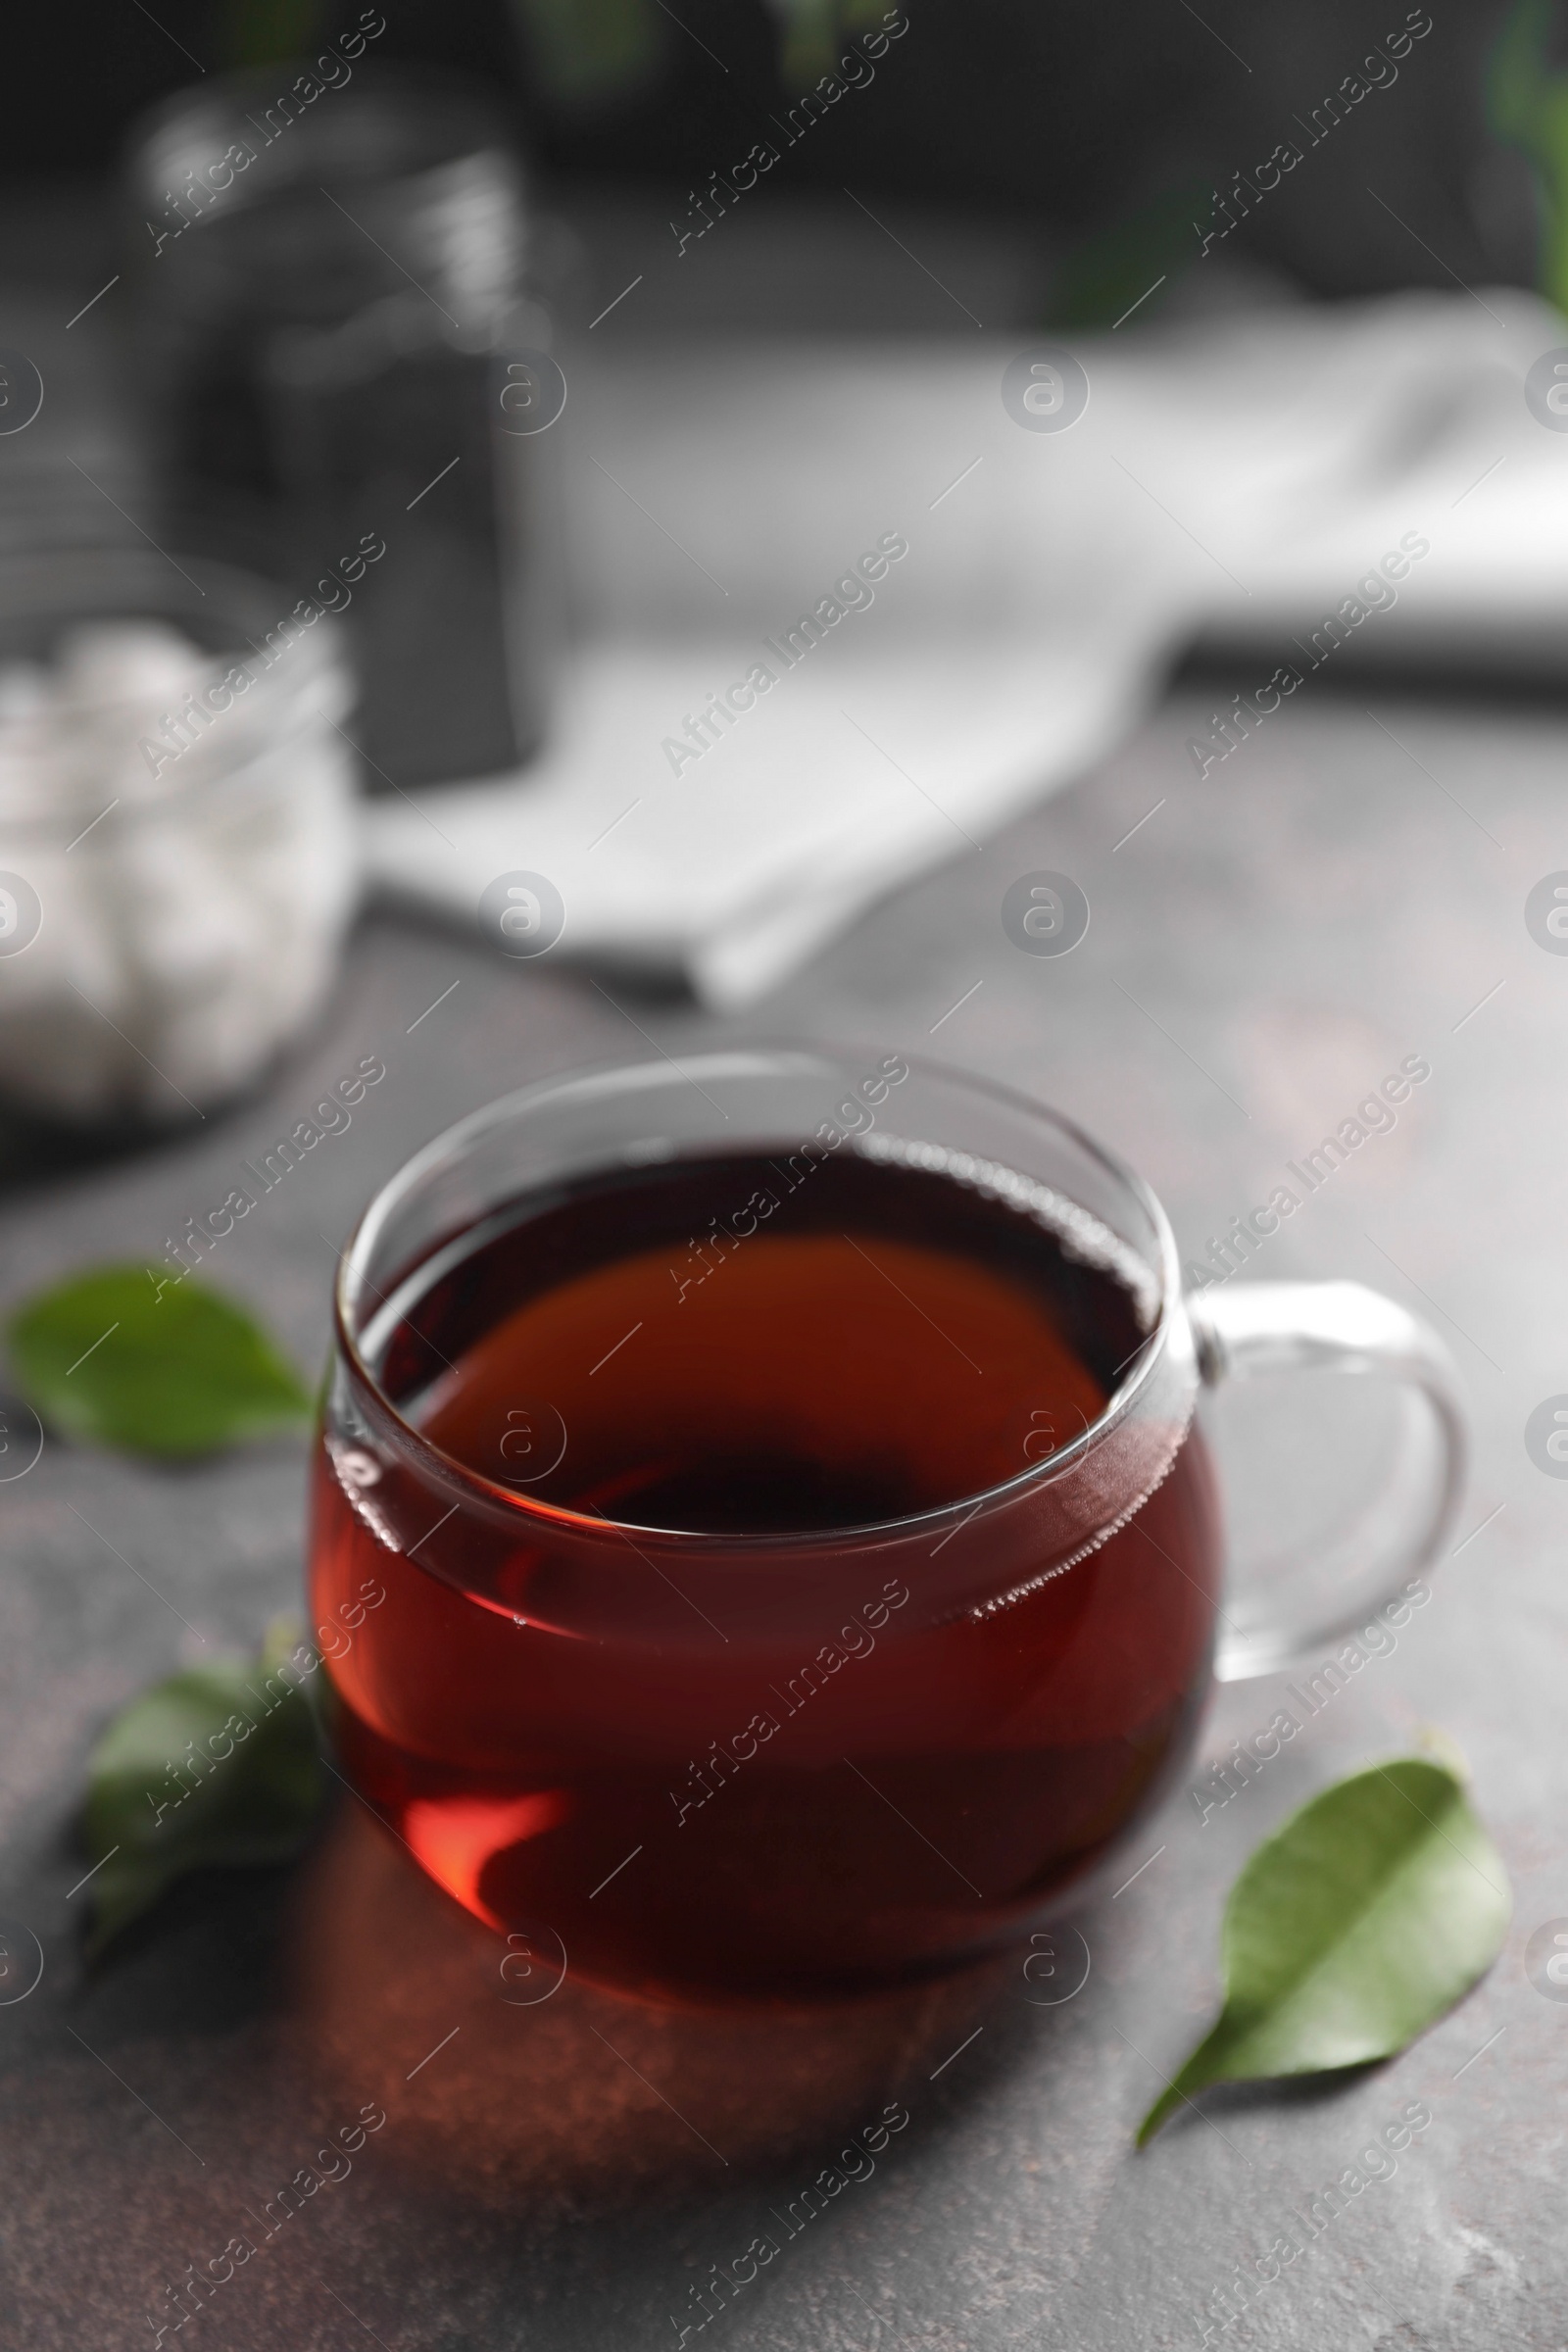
{"x": 1232, "y": 482}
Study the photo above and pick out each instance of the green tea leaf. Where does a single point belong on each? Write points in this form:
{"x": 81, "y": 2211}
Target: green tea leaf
{"x": 217, "y": 1766}
{"x": 269, "y": 32}
{"x": 1351, "y": 1930}
{"x": 1526, "y": 108}
{"x": 1130, "y": 261}
{"x": 590, "y": 51}
{"x": 169, "y": 1369}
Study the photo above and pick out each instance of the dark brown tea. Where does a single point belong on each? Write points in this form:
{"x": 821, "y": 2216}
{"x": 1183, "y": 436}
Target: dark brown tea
{"x": 691, "y": 1693}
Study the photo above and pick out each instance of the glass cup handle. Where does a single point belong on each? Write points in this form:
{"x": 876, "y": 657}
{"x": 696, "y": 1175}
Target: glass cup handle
{"x": 1341, "y": 1327}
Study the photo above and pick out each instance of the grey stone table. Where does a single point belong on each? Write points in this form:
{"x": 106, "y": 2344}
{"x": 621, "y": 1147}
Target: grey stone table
{"x": 1265, "y": 945}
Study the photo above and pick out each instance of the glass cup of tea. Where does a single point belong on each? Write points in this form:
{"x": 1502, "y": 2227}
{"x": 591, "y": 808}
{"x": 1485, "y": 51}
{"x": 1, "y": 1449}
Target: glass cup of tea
{"x": 762, "y": 1542}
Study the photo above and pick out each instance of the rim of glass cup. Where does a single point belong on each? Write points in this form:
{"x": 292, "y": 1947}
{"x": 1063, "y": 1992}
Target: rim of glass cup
{"x": 78, "y": 586}
{"x": 755, "y": 1059}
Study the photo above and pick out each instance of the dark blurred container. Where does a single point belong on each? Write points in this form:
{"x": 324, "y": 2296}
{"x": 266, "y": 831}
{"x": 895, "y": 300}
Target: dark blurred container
{"x": 346, "y": 374}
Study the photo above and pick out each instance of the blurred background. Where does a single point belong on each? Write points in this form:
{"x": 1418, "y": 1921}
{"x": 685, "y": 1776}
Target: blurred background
{"x": 1085, "y": 144}
{"x": 430, "y": 435}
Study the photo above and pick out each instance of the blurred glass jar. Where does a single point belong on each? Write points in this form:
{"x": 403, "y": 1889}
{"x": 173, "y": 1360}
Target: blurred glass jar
{"x": 178, "y": 842}
{"x": 335, "y": 314}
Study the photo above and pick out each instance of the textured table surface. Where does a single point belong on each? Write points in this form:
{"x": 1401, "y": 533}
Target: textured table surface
{"x": 1346, "y": 891}
{"x": 1262, "y": 950}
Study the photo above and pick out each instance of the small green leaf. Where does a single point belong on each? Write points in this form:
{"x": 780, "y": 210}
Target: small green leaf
{"x": 1131, "y": 260}
{"x": 590, "y": 51}
{"x": 1351, "y": 1930}
{"x": 269, "y": 32}
{"x": 218, "y": 1766}
{"x": 163, "y": 1368}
